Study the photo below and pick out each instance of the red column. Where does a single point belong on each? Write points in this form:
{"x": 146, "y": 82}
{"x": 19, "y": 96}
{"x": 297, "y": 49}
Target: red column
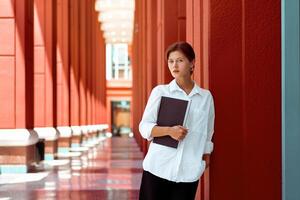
{"x": 170, "y": 30}
{"x": 82, "y": 52}
{"x": 89, "y": 10}
{"x": 63, "y": 75}
{"x": 94, "y": 27}
{"x": 83, "y": 82}
{"x": 89, "y": 91}
{"x": 75, "y": 72}
{"x": 151, "y": 44}
{"x": 62, "y": 62}
{"x": 16, "y": 94}
{"x": 197, "y": 28}
{"x": 100, "y": 76}
{"x": 197, "y": 31}
{"x": 7, "y": 62}
{"x": 244, "y": 77}
{"x": 44, "y": 72}
{"x": 74, "y": 63}
{"x": 139, "y": 78}
{"x": 233, "y": 48}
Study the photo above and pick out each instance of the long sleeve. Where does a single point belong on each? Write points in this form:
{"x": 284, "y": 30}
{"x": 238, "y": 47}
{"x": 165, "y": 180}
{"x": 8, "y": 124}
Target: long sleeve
{"x": 150, "y": 114}
{"x": 209, "y": 146}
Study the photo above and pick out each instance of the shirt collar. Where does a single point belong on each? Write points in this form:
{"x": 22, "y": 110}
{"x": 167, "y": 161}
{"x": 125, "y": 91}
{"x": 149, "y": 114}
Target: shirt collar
{"x": 174, "y": 87}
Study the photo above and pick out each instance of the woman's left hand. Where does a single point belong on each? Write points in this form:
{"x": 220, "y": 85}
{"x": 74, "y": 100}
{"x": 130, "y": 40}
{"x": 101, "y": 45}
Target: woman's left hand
{"x": 206, "y": 158}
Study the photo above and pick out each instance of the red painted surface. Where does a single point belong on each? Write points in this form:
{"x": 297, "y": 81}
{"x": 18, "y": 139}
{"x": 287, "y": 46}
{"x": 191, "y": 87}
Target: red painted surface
{"x": 74, "y": 63}
{"x": 62, "y": 62}
{"x": 82, "y": 52}
{"x": 263, "y": 98}
{"x": 139, "y": 79}
{"x": 39, "y": 84}
{"x": 245, "y": 82}
{"x": 29, "y": 94}
{"x": 7, "y": 65}
{"x": 87, "y": 64}
{"x": 7, "y": 40}
{"x": 181, "y": 20}
{"x": 7, "y": 96}
{"x": 102, "y": 108}
{"x": 7, "y": 8}
{"x": 151, "y": 45}
{"x": 22, "y": 31}
{"x": 39, "y": 100}
{"x": 50, "y": 63}
{"x": 168, "y": 33}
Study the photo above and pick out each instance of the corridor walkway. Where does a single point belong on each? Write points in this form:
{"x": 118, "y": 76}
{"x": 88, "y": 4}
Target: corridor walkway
{"x": 112, "y": 170}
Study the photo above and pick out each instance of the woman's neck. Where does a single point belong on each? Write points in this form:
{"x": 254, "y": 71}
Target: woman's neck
{"x": 185, "y": 84}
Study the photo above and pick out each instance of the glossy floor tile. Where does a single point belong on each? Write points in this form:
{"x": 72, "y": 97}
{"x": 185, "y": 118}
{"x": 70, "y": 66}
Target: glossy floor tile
{"x": 111, "y": 170}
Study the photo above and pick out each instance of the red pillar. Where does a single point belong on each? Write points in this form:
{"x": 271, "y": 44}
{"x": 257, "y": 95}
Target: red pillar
{"x": 197, "y": 34}
{"x": 63, "y": 76}
{"x": 89, "y": 91}
{"x": 197, "y": 30}
{"x": 100, "y": 75}
{"x": 88, "y": 60}
{"x": 233, "y": 50}
{"x": 44, "y": 74}
{"x": 16, "y": 94}
{"x": 83, "y": 67}
{"x": 74, "y": 63}
{"x": 151, "y": 45}
{"x": 94, "y": 26}
{"x": 139, "y": 79}
{"x": 74, "y": 71}
{"x": 240, "y": 43}
{"x": 82, "y": 52}
{"x": 170, "y": 30}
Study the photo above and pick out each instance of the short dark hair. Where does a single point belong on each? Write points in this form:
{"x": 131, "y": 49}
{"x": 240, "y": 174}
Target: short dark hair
{"x": 183, "y": 47}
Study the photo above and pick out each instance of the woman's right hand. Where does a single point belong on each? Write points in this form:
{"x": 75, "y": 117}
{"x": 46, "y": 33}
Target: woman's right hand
{"x": 178, "y": 132}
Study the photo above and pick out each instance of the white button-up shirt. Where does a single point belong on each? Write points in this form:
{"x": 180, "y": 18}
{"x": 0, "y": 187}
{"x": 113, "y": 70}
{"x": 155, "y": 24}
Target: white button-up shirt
{"x": 185, "y": 163}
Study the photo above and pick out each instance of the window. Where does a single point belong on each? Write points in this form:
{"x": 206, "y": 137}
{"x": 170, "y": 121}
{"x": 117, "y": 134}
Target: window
{"x": 117, "y": 62}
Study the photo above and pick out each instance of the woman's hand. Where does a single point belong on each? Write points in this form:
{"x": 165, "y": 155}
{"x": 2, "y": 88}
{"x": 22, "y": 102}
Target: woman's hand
{"x": 206, "y": 158}
{"x": 178, "y": 132}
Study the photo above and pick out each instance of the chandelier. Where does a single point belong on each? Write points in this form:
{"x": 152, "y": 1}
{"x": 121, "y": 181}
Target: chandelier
{"x": 117, "y": 18}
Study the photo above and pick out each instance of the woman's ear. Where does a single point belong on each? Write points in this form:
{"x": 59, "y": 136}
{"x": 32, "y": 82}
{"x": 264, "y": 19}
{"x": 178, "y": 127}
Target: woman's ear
{"x": 193, "y": 65}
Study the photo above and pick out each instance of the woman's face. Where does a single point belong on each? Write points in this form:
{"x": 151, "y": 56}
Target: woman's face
{"x": 179, "y": 65}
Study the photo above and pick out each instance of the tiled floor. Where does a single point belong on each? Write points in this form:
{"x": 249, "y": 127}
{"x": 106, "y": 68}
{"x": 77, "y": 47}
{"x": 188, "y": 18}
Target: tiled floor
{"x": 112, "y": 171}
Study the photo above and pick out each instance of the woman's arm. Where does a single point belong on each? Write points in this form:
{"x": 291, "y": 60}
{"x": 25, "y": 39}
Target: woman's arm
{"x": 150, "y": 114}
{"x": 210, "y": 128}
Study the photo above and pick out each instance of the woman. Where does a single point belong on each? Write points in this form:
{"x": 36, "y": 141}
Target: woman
{"x": 173, "y": 173}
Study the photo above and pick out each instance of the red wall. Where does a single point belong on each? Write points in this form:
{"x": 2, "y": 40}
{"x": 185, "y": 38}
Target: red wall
{"x": 244, "y": 77}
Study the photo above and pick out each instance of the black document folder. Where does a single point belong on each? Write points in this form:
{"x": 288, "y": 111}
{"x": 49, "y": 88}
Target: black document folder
{"x": 171, "y": 112}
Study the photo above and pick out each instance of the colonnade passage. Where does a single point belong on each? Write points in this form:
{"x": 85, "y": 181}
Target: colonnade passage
{"x": 111, "y": 169}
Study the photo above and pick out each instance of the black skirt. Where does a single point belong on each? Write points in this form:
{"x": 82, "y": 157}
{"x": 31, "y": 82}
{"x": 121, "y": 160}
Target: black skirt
{"x": 156, "y": 188}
